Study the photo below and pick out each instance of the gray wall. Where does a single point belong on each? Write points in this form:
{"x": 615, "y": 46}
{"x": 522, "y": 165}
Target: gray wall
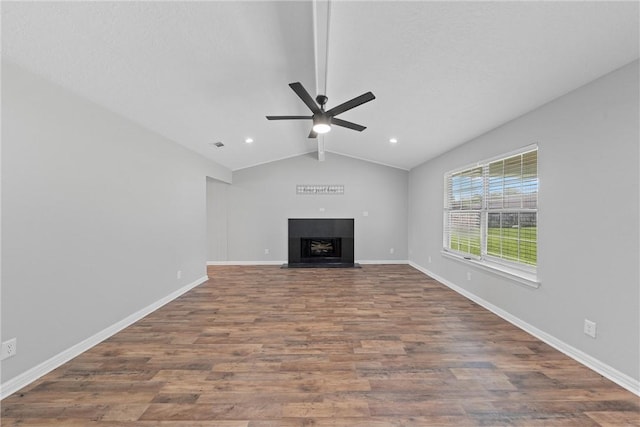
{"x": 98, "y": 215}
{"x": 217, "y": 220}
{"x": 588, "y": 219}
{"x": 263, "y": 197}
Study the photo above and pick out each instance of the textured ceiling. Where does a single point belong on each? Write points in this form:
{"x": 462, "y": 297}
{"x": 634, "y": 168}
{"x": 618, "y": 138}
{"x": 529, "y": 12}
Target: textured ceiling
{"x": 201, "y": 72}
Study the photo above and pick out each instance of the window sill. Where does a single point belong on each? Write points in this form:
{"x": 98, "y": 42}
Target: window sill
{"x": 522, "y": 277}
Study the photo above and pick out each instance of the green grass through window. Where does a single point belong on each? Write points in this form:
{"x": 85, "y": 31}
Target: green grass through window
{"x": 465, "y": 243}
{"x": 512, "y": 244}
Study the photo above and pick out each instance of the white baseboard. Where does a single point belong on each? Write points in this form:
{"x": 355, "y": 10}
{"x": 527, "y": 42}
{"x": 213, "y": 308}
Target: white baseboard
{"x": 246, "y": 262}
{"x": 382, "y": 261}
{"x": 385, "y": 261}
{"x": 16, "y": 383}
{"x": 590, "y": 362}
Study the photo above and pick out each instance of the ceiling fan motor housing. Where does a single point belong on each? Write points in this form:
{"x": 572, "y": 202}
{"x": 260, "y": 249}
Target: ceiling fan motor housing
{"x": 322, "y": 117}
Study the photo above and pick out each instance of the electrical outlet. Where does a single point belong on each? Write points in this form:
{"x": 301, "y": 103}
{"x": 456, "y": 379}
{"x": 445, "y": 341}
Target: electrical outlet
{"x": 179, "y": 274}
{"x": 468, "y": 275}
{"x": 391, "y": 250}
{"x": 590, "y": 328}
{"x": 9, "y": 348}
{"x": 266, "y": 251}
{"x": 429, "y": 259}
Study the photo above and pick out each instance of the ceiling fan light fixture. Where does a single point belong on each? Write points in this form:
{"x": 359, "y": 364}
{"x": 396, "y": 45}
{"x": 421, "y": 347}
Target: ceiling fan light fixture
{"x": 321, "y": 128}
{"x": 321, "y": 124}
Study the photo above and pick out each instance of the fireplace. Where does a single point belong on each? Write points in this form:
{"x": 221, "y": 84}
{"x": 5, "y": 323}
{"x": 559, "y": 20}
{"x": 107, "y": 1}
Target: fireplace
{"x": 323, "y": 247}
{"x": 321, "y": 242}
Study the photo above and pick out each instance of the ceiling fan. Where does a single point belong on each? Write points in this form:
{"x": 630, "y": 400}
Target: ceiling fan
{"x": 322, "y": 120}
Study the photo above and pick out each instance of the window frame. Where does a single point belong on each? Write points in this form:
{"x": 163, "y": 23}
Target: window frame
{"x": 519, "y": 271}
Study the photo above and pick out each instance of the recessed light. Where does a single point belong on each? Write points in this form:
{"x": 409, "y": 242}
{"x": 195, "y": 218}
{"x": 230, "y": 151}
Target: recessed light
{"x": 248, "y": 140}
{"x": 393, "y": 140}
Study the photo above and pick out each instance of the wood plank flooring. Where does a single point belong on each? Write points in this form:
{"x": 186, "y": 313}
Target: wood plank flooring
{"x": 377, "y": 346}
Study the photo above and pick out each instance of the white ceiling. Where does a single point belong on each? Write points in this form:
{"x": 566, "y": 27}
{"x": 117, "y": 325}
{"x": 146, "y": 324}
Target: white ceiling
{"x": 201, "y": 72}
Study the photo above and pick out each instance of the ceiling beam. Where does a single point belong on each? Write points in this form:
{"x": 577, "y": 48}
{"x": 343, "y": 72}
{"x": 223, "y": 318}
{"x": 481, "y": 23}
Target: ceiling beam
{"x": 321, "y": 148}
{"x": 321, "y": 15}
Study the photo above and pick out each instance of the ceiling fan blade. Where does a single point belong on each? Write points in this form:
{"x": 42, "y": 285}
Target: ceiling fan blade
{"x": 358, "y": 100}
{"x": 304, "y": 95}
{"x": 288, "y": 117}
{"x": 313, "y": 134}
{"x": 345, "y": 124}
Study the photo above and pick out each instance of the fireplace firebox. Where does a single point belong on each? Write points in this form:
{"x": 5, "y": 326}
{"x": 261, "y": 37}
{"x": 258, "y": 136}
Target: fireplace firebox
{"x": 325, "y": 247}
{"x": 321, "y": 242}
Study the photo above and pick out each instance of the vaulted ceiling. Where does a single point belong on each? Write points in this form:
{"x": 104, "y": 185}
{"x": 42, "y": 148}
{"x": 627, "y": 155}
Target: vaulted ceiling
{"x": 203, "y": 72}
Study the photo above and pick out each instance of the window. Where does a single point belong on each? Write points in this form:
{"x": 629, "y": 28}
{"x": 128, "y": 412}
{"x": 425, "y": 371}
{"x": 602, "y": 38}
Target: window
{"x": 491, "y": 209}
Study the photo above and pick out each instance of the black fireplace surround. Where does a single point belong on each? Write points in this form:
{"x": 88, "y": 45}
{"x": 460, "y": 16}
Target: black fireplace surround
{"x": 321, "y": 242}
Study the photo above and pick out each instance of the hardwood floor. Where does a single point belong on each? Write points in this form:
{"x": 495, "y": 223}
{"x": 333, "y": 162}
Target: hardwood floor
{"x": 377, "y": 346}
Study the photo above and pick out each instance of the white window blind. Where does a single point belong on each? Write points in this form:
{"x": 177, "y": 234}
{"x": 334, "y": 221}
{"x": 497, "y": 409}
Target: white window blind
{"x": 464, "y": 200}
{"x": 491, "y": 210}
